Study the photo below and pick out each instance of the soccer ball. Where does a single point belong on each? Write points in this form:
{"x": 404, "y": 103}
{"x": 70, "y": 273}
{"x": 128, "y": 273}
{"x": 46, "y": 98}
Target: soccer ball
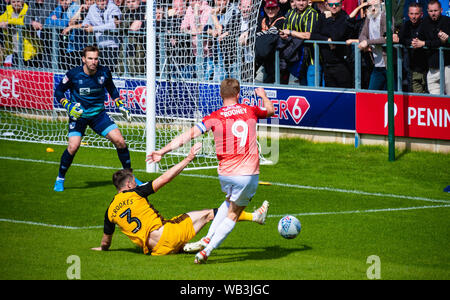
{"x": 289, "y": 227}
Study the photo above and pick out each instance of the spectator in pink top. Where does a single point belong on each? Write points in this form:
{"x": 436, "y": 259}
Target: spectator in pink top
{"x": 196, "y": 17}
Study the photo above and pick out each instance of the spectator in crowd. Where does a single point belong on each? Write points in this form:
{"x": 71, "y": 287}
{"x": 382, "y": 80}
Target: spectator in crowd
{"x": 416, "y": 58}
{"x": 372, "y": 39}
{"x": 246, "y": 38}
{"x": 299, "y": 24}
{"x": 62, "y": 14}
{"x": 267, "y": 38}
{"x": 133, "y": 17}
{"x": 178, "y": 57}
{"x": 290, "y": 49}
{"x": 285, "y": 6}
{"x": 121, "y": 4}
{"x": 422, "y": 3}
{"x": 81, "y": 13}
{"x": 195, "y": 19}
{"x": 224, "y": 26}
{"x": 319, "y": 5}
{"x": 332, "y": 26}
{"x": 100, "y": 18}
{"x": 356, "y": 21}
{"x": 13, "y": 16}
{"x": 398, "y": 14}
{"x": 433, "y": 33}
{"x": 133, "y": 23}
{"x": 75, "y": 37}
{"x": 34, "y": 21}
{"x": 3, "y": 4}
{"x": 59, "y": 18}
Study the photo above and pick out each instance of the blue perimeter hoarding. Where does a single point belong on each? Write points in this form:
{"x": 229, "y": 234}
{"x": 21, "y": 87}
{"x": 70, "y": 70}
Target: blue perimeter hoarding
{"x": 294, "y": 107}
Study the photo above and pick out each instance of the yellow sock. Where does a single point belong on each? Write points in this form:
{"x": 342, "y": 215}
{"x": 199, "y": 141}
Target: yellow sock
{"x": 245, "y": 216}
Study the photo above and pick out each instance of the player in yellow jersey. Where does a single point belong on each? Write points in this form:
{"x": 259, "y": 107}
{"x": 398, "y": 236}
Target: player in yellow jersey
{"x": 143, "y": 224}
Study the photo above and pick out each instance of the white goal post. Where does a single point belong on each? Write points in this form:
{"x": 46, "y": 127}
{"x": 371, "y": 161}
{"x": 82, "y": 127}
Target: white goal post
{"x": 192, "y": 55}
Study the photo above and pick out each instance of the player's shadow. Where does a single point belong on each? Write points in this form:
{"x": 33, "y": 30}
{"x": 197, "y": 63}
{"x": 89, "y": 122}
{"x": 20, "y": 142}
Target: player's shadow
{"x": 249, "y": 253}
{"x": 90, "y": 184}
{"x": 253, "y": 253}
{"x": 136, "y": 250}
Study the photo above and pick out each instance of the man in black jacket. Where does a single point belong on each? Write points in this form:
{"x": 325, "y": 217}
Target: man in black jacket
{"x": 417, "y": 60}
{"x": 266, "y": 39}
{"x": 434, "y": 33}
{"x": 332, "y": 26}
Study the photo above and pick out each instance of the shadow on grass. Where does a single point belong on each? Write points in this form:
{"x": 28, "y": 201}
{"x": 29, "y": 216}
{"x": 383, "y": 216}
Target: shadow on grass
{"x": 136, "y": 250}
{"x": 235, "y": 254}
{"x": 90, "y": 184}
{"x": 251, "y": 253}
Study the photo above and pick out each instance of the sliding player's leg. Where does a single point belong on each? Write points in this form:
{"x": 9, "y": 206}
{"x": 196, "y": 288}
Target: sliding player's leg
{"x": 200, "y": 218}
{"x": 178, "y": 231}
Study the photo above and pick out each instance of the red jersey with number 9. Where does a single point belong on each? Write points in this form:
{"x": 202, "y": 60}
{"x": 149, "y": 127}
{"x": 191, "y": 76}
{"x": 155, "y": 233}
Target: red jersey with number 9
{"x": 234, "y": 129}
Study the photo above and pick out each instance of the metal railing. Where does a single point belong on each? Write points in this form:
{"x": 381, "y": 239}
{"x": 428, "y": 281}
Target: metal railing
{"x": 199, "y": 59}
{"x": 399, "y": 48}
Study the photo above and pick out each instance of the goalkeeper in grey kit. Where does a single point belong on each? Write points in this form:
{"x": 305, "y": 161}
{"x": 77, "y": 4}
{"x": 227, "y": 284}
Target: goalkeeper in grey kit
{"x": 87, "y": 84}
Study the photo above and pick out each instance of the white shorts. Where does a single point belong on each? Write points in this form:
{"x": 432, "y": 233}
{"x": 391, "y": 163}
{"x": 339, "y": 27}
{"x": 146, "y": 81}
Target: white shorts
{"x": 239, "y": 189}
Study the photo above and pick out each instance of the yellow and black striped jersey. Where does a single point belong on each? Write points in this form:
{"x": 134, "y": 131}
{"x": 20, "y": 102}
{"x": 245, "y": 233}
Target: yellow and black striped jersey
{"x": 135, "y": 216}
{"x": 301, "y": 21}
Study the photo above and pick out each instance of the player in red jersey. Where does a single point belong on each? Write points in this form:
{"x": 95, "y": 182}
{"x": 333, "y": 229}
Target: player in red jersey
{"x": 234, "y": 129}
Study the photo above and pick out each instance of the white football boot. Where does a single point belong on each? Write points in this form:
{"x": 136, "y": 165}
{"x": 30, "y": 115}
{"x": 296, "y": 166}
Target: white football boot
{"x": 196, "y": 246}
{"x": 260, "y": 215}
{"x": 201, "y": 257}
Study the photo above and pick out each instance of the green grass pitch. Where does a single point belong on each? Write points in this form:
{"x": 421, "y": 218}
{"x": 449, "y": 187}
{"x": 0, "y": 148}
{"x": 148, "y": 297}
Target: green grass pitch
{"x": 352, "y": 203}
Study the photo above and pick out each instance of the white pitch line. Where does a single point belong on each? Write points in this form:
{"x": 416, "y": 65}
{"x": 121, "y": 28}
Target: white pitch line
{"x": 57, "y": 163}
{"x": 330, "y": 189}
{"x": 298, "y": 186}
{"x": 362, "y": 211}
{"x": 361, "y": 192}
{"x": 270, "y": 216}
{"x": 273, "y": 183}
{"x": 48, "y": 225}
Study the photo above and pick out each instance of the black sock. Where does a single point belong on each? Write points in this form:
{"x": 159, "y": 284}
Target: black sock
{"x": 66, "y": 161}
{"x": 124, "y": 157}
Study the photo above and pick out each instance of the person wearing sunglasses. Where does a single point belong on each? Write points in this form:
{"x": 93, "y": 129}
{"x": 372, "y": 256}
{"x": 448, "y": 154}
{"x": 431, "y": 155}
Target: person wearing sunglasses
{"x": 332, "y": 26}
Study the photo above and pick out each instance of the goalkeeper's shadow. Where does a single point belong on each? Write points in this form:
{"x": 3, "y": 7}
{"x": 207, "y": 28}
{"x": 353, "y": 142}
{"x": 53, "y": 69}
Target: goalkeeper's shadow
{"x": 90, "y": 184}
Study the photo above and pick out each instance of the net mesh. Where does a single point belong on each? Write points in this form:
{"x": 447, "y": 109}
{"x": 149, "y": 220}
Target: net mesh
{"x": 198, "y": 43}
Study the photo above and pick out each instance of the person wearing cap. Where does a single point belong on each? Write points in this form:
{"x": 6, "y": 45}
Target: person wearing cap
{"x": 266, "y": 39}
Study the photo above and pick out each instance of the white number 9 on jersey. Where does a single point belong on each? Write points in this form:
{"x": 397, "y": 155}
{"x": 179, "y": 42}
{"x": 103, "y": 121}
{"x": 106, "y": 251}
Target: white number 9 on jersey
{"x": 240, "y": 130}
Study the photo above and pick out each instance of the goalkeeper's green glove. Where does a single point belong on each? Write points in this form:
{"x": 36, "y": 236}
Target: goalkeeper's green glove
{"x": 125, "y": 111}
{"x": 73, "y": 108}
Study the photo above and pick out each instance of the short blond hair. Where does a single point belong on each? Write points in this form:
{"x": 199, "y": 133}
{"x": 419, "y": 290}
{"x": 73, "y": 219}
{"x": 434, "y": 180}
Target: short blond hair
{"x": 229, "y": 87}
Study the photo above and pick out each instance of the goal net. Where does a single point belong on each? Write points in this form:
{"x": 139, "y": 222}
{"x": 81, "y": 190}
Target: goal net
{"x": 197, "y": 44}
